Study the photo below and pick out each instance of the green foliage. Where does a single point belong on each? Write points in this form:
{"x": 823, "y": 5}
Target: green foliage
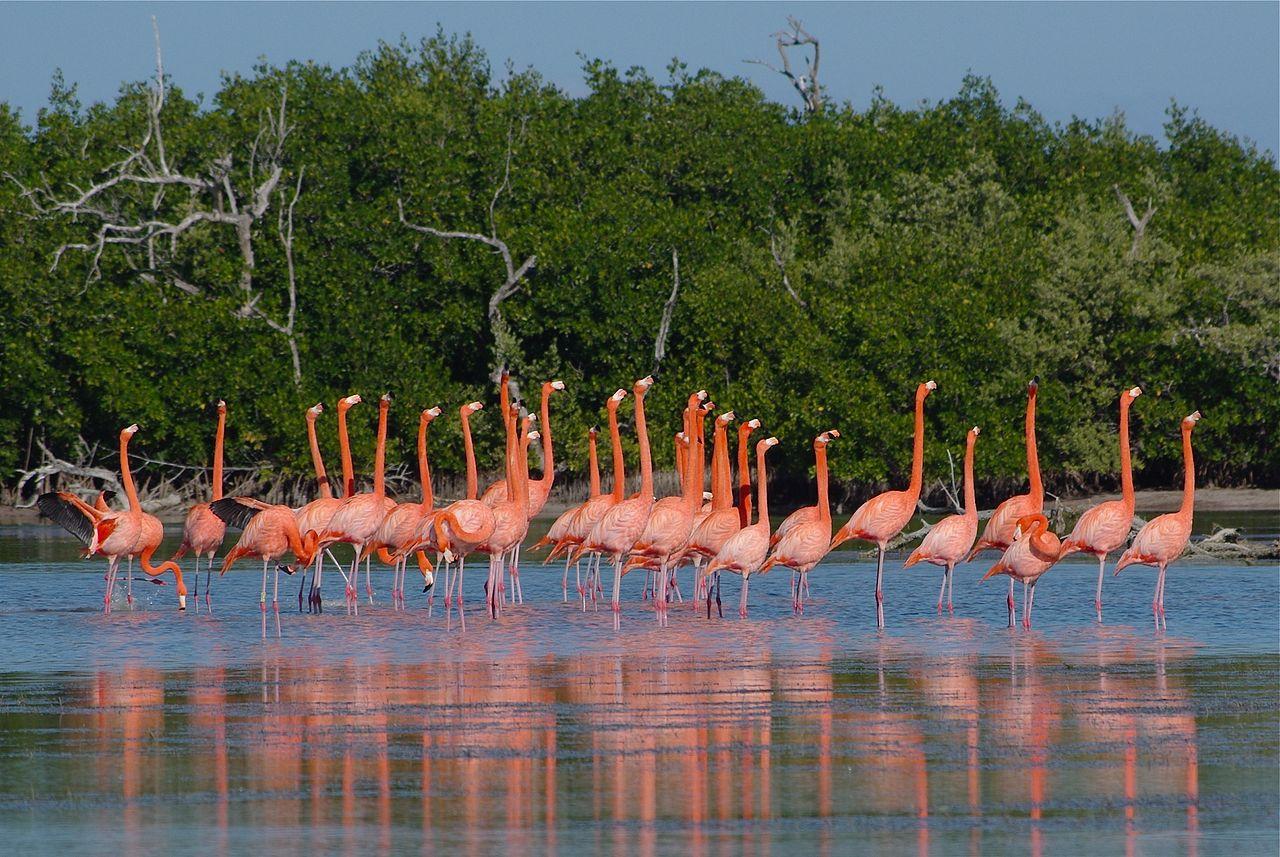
{"x": 962, "y": 241}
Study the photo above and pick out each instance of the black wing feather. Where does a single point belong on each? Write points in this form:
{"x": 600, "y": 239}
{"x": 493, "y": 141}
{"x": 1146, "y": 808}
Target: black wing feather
{"x": 66, "y": 515}
{"x": 232, "y": 512}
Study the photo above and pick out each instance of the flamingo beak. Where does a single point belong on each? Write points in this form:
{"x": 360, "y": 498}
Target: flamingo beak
{"x": 931, "y": 385}
{"x": 182, "y": 602}
{"x": 557, "y": 385}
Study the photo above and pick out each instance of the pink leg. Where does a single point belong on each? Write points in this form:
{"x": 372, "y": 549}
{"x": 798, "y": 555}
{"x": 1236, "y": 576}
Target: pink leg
{"x": 742, "y": 606}
{"x": 1031, "y": 602}
{"x": 462, "y": 617}
{"x": 1097, "y": 597}
{"x": 112, "y": 567}
{"x": 262, "y": 599}
{"x": 128, "y": 592}
{"x": 880, "y": 589}
{"x": 1010, "y": 601}
{"x": 950, "y": 583}
{"x": 617, "y": 592}
{"x": 942, "y": 591}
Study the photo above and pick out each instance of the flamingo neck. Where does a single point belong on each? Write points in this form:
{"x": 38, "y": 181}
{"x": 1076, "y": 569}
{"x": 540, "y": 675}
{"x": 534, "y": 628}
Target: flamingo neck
{"x": 424, "y": 469}
{"x": 1189, "y": 477}
{"x": 646, "y": 460}
{"x": 322, "y": 481}
{"x": 1033, "y": 458}
{"x": 1126, "y": 466}
{"x": 697, "y": 461}
{"x": 744, "y": 475}
{"x": 682, "y": 459}
{"x": 619, "y": 464}
{"x": 473, "y": 480}
{"x": 824, "y": 500}
{"x": 126, "y": 475}
{"x": 522, "y": 477}
{"x": 917, "y": 452}
{"x": 722, "y": 479}
{"x": 217, "y": 455}
{"x": 970, "y": 503}
{"x": 380, "y": 453}
{"x": 593, "y": 465}
{"x": 344, "y": 446}
{"x": 548, "y": 455}
{"x": 762, "y": 488}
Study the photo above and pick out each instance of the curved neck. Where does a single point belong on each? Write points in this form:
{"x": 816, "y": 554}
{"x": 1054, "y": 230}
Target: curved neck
{"x": 548, "y": 456}
{"x": 344, "y": 447}
{"x": 322, "y": 481}
{"x": 1126, "y": 466}
{"x": 217, "y": 455}
{"x": 380, "y": 452}
{"x": 917, "y": 452}
{"x": 1189, "y": 476}
{"x": 1033, "y": 458}
{"x": 619, "y": 465}
{"x": 824, "y": 500}
{"x": 593, "y": 464}
{"x": 744, "y": 475}
{"x": 126, "y": 475}
{"x": 970, "y": 504}
{"x": 762, "y": 486}
{"x": 1041, "y": 547}
{"x": 424, "y": 469}
{"x": 646, "y": 461}
{"x": 473, "y": 481}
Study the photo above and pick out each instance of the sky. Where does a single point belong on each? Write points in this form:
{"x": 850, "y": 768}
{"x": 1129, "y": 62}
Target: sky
{"x": 1066, "y": 59}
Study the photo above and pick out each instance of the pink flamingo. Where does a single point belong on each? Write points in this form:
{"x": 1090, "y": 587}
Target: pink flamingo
{"x": 1033, "y": 552}
{"x": 622, "y": 523}
{"x": 539, "y": 489}
{"x": 949, "y": 540}
{"x": 115, "y": 534}
{"x": 998, "y": 533}
{"x": 397, "y": 535}
{"x": 269, "y": 531}
{"x": 463, "y": 525}
{"x": 804, "y": 546}
{"x": 711, "y": 533}
{"x": 1163, "y": 539}
{"x": 357, "y": 520}
{"x": 510, "y": 516}
{"x": 670, "y": 521}
{"x": 561, "y": 526}
{"x": 593, "y": 510}
{"x": 745, "y": 550}
{"x": 882, "y": 517}
{"x": 316, "y": 514}
{"x": 1106, "y": 526}
{"x": 203, "y": 531}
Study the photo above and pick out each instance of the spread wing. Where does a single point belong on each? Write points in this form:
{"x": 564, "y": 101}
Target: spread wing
{"x": 68, "y": 512}
{"x": 236, "y": 511}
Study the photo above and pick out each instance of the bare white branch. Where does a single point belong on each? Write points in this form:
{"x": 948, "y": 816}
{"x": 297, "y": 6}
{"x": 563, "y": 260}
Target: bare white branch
{"x": 1139, "y": 224}
{"x": 806, "y": 83}
{"x": 668, "y": 309}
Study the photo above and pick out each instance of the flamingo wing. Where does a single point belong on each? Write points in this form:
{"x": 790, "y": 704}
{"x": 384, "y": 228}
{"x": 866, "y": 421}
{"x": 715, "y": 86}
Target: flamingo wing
{"x": 70, "y": 513}
{"x": 236, "y": 511}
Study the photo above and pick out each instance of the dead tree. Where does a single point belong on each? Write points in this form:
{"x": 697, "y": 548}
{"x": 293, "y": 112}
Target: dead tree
{"x": 144, "y": 204}
{"x": 1139, "y": 224}
{"x": 806, "y": 84}
{"x": 782, "y": 249}
{"x": 505, "y": 345}
{"x": 669, "y": 308}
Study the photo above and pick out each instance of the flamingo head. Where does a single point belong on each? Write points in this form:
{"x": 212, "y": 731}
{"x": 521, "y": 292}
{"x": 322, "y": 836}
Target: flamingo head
{"x": 725, "y": 418}
{"x": 554, "y": 385}
{"x": 385, "y": 401}
{"x": 534, "y": 435}
{"x": 975, "y": 431}
{"x": 473, "y": 407}
{"x": 1134, "y": 393}
{"x": 826, "y": 437}
{"x": 222, "y": 406}
{"x": 701, "y": 394}
{"x": 618, "y": 396}
{"x": 1033, "y": 385}
{"x": 593, "y": 431}
{"x": 430, "y": 414}
{"x": 931, "y": 385}
{"x": 129, "y": 431}
{"x": 315, "y": 410}
{"x": 349, "y": 402}
{"x": 1190, "y": 420}
{"x": 768, "y": 443}
{"x": 643, "y": 385}
{"x": 753, "y": 423}
{"x": 706, "y": 408}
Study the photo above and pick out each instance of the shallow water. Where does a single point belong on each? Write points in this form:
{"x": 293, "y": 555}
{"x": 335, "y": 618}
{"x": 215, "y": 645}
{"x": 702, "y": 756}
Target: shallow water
{"x": 154, "y": 732}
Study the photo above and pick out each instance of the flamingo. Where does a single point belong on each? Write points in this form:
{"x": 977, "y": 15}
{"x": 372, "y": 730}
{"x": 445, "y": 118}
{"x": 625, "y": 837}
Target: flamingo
{"x": 882, "y": 517}
{"x": 1106, "y": 526}
{"x": 560, "y": 527}
{"x": 397, "y": 535}
{"x": 510, "y": 516}
{"x": 745, "y": 550}
{"x": 804, "y": 546}
{"x": 1033, "y": 552}
{"x": 949, "y": 540}
{"x": 203, "y": 531}
{"x": 593, "y": 510}
{"x": 1163, "y": 539}
{"x": 269, "y": 531}
{"x": 744, "y": 472}
{"x": 620, "y": 526}
{"x": 115, "y": 534}
{"x": 316, "y": 514}
{"x": 463, "y": 525}
{"x": 357, "y": 520}
{"x": 539, "y": 489}
{"x": 670, "y": 521}
{"x": 998, "y": 533}
{"x": 715, "y": 528}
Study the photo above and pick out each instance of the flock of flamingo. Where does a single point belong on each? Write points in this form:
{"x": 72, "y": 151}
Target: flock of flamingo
{"x": 714, "y": 532}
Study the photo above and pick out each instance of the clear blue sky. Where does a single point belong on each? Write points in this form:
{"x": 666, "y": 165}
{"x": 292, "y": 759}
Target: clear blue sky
{"x": 1085, "y": 59}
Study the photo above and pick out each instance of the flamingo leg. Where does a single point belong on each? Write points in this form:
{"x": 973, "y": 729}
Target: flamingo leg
{"x": 1010, "y": 601}
{"x": 462, "y": 617}
{"x": 1031, "y": 602}
{"x": 880, "y": 588}
{"x": 942, "y": 591}
{"x": 112, "y": 567}
{"x": 208, "y": 585}
{"x": 1097, "y": 598}
{"x": 303, "y": 585}
{"x": 950, "y": 584}
{"x": 262, "y": 599}
{"x": 275, "y": 600}
{"x": 1160, "y": 583}
{"x": 197, "y": 582}
{"x": 128, "y": 592}
{"x": 675, "y": 584}
{"x": 1026, "y": 605}
{"x": 368, "y": 584}
{"x": 742, "y": 605}
{"x": 617, "y": 592}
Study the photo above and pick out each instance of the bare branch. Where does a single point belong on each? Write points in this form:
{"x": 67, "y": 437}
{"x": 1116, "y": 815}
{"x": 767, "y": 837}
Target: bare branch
{"x": 782, "y": 251}
{"x": 1139, "y": 224}
{"x": 664, "y": 326}
{"x": 806, "y": 83}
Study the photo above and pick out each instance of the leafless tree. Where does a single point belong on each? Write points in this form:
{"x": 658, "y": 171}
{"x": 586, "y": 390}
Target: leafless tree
{"x": 1139, "y": 224}
{"x": 131, "y": 211}
{"x": 782, "y": 249}
{"x": 668, "y": 309}
{"x": 506, "y": 346}
{"x": 806, "y": 83}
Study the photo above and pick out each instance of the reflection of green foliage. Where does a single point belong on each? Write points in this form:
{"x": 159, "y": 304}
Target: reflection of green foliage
{"x": 964, "y": 241}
